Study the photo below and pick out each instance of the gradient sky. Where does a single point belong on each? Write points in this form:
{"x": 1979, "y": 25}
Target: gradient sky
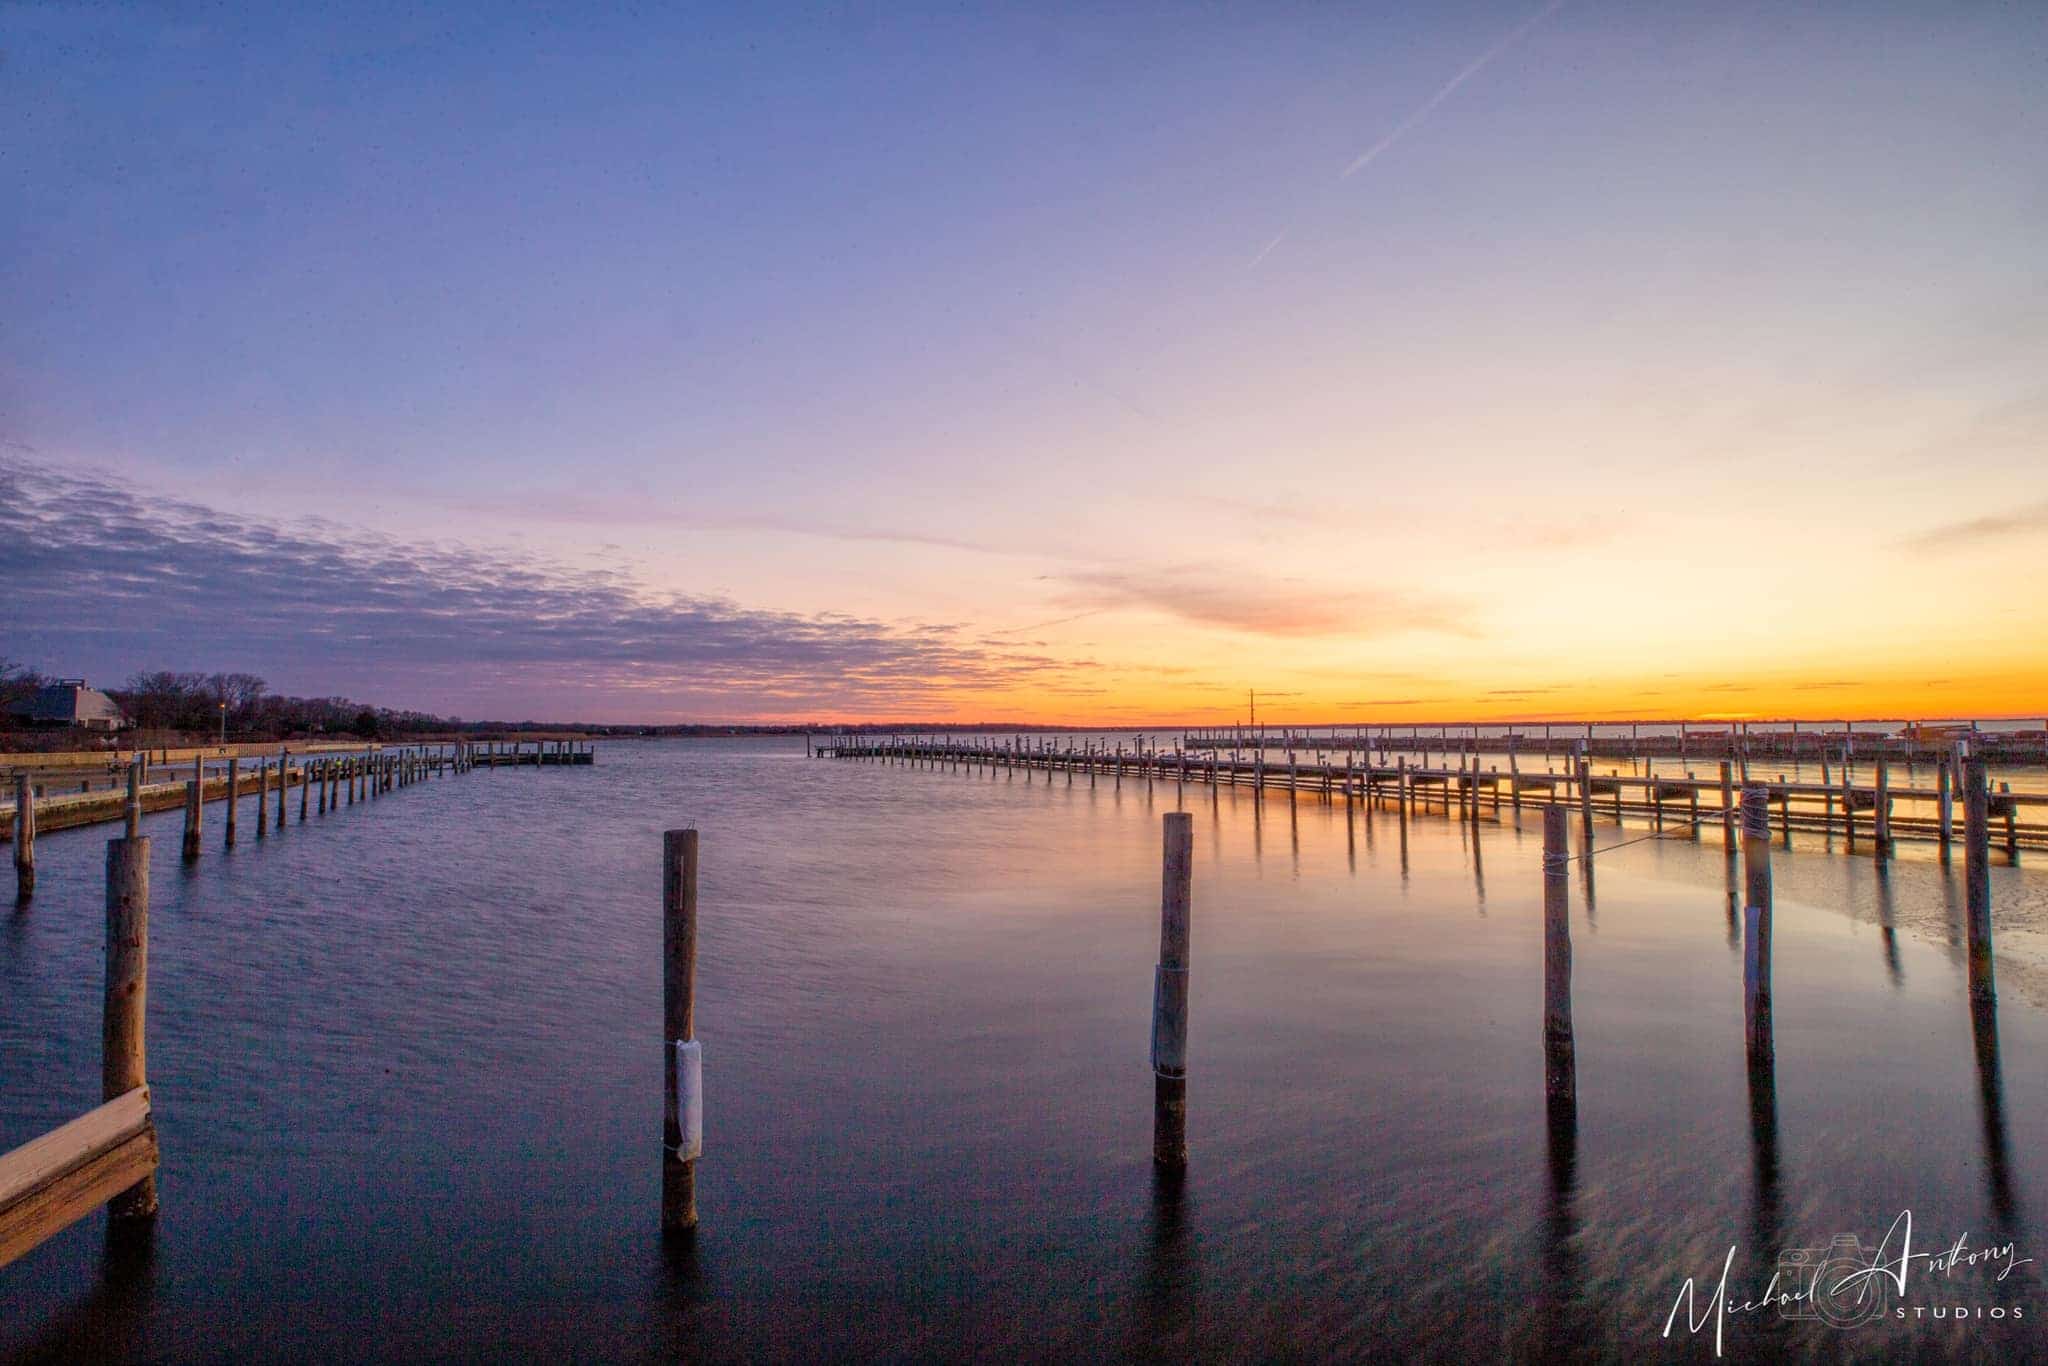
{"x": 1094, "y": 363}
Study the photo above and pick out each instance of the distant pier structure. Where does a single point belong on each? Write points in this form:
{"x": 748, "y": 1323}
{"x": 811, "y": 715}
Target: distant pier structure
{"x": 1871, "y": 788}
{"x": 2005, "y": 743}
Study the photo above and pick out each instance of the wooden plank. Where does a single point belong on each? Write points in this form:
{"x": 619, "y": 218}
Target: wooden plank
{"x": 68, "y": 1145}
{"x": 57, "y": 1204}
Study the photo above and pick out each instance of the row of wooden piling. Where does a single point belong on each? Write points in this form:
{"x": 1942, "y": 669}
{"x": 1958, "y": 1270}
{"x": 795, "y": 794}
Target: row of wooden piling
{"x": 682, "y": 1122}
{"x": 336, "y": 778}
{"x": 1748, "y": 827}
{"x": 1850, "y": 810}
{"x": 682, "y": 1095}
{"x": 109, "y": 1155}
{"x": 1756, "y": 927}
{"x": 1736, "y": 741}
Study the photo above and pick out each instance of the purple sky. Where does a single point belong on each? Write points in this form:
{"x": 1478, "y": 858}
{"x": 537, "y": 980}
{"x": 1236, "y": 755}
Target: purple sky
{"x": 1087, "y": 361}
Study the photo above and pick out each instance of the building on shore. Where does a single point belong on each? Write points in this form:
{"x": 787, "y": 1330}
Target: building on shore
{"x": 68, "y": 702}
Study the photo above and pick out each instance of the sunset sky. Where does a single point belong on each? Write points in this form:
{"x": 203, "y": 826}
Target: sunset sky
{"x": 1091, "y": 363}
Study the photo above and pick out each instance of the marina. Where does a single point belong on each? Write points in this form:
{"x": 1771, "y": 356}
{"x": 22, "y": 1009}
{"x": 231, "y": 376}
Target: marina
{"x": 997, "y": 937}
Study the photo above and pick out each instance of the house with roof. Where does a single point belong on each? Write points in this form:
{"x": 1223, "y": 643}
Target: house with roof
{"x": 68, "y": 702}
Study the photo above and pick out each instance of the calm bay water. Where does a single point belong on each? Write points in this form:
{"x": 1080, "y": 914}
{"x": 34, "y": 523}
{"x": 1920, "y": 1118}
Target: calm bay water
{"x": 406, "y": 1062}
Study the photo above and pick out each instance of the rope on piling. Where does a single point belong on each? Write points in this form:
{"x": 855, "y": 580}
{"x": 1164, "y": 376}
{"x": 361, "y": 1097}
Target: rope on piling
{"x": 1640, "y": 839}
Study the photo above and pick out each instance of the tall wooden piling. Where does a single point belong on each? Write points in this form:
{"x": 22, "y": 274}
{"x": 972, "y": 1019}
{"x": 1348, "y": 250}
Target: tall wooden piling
{"x": 195, "y": 799}
{"x": 24, "y": 837}
{"x": 305, "y": 787}
{"x": 682, "y": 1125}
{"x": 1585, "y": 776}
{"x": 1727, "y": 806}
{"x": 123, "y": 1058}
{"x": 1756, "y": 922}
{"x": 1170, "y": 995}
{"x": 262, "y": 798}
{"x": 136, "y": 766}
{"x": 1944, "y": 796}
{"x": 1977, "y": 878}
{"x": 234, "y": 790}
{"x": 1560, "y": 1068}
{"x": 1881, "y": 814}
{"x": 284, "y": 782}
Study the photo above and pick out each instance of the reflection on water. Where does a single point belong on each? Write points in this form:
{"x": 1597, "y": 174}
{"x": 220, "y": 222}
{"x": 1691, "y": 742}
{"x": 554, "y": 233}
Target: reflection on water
{"x": 1991, "y": 1106}
{"x": 1888, "y": 925}
{"x": 405, "y": 1061}
{"x": 1558, "y": 1287}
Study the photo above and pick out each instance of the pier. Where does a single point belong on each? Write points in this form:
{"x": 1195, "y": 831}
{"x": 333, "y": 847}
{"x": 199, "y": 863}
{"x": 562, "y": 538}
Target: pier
{"x": 1736, "y": 741}
{"x": 1871, "y": 807}
{"x": 108, "y": 1156}
{"x": 139, "y": 782}
{"x": 90, "y": 788}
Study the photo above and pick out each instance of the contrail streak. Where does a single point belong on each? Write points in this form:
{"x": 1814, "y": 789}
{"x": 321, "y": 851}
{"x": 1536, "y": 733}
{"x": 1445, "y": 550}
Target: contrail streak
{"x": 1449, "y": 87}
{"x": 1267, "y": 250}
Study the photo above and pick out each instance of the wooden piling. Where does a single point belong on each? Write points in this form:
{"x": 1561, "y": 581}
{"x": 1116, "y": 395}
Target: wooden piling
{"x": 1170, "y": 995}
{"x": 136, "y": 768}
{"x": 2012, "y": 829}
{"x": 1756, "y": 922}
{"x": 679, "y": 1149}
{"x": 24, "y": 838}
{"x": 1585, "y": 776}
{"x": 1977, "y": 878}
{"x": 1881, "y": 814}
{"x": 1944, "y": 781}
{"x": 1727, "y": 806}
{"x": 194, "y": 804}
{"x": 123, "y": 1057}
{"x": 234, "y": 790}
{"x": 1560, "y": 1068}
{"x": 284, "y": 782}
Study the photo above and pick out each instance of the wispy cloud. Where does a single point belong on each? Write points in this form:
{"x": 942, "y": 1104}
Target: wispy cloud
{"x": 100, "y": 578}
{"x": 1241, "y": 601}
{"x": 2030, "y": 520}
{"x": 649, "y": 509}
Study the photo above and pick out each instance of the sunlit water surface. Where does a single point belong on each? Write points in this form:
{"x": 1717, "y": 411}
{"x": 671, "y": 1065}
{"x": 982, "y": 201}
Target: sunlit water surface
{"x": 406, "y": 1065}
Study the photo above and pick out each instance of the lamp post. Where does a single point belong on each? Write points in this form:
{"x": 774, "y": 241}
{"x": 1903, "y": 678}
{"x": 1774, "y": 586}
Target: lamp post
{"x": 223, "y": 725}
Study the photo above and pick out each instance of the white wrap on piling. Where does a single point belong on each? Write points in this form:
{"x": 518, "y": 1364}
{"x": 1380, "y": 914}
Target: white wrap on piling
{"x": 689, "y": 1099}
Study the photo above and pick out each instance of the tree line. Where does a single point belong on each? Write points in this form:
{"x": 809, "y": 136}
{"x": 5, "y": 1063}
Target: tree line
{"x": 206, "y": 703}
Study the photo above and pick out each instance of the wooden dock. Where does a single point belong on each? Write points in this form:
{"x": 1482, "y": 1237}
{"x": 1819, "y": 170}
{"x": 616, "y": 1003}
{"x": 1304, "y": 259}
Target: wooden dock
{"x": 1875, "y": 811}
{"x": 1736, "y": 741}
{"x": 109, "y": 1155}
{"x": 65, "y": 797}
